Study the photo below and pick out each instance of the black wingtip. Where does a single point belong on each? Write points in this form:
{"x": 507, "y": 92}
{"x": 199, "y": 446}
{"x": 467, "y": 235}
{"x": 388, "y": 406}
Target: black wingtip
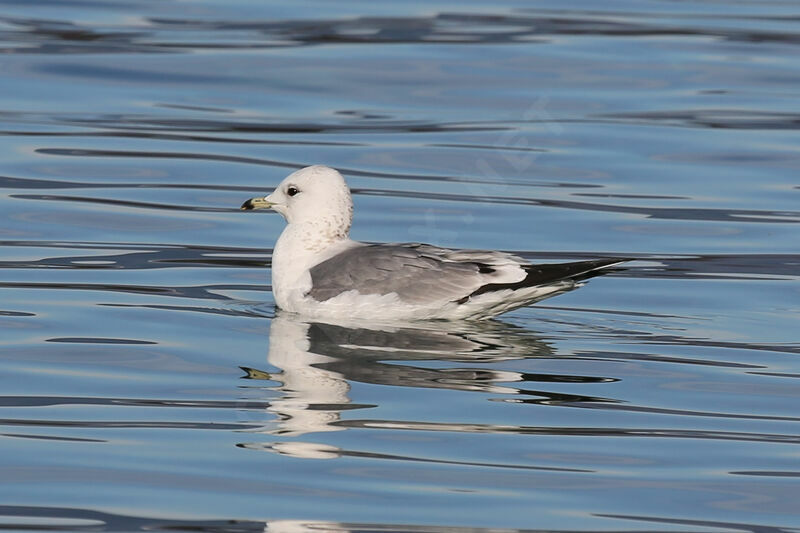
{"x": 575, "y": 271}
{"x": 544, "y": 274}
{"x": 583, "y": 270}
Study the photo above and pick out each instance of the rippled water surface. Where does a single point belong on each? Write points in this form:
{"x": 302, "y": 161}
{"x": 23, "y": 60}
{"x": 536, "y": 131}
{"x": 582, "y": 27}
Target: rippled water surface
{"x": 148, "y": 384}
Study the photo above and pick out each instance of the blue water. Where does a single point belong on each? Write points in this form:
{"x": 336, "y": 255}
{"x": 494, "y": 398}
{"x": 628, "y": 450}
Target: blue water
{"x": 148, "y": 383}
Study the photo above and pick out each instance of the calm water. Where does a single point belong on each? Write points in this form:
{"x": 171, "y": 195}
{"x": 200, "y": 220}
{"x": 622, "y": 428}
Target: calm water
{"x": 149, "y": 385}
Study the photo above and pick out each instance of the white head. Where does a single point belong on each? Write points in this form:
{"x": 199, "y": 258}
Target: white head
{"x": 316, "y": 196}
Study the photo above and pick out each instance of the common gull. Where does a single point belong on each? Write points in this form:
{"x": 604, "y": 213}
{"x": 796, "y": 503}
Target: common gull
{"x": 318, "y": 271}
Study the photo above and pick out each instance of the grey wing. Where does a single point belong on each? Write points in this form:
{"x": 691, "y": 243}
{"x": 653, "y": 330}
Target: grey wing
{"x": 416, "y": 273}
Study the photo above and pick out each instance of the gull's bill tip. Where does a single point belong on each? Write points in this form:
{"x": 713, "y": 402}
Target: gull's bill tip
{"x": 258, "y": 202}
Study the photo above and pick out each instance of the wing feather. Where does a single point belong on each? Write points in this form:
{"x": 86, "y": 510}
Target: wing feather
{"x": 417, "y": 273}
{"x": 425, "y": 274}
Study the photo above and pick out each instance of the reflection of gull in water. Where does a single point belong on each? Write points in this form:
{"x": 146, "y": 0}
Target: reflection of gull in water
{"x": 317, "y": 270}
{"x": 319, "y": 360}
{"x": 306, "y": 387}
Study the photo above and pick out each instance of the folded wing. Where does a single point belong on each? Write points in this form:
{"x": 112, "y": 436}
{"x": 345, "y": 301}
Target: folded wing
{"x": 424, "y": 274}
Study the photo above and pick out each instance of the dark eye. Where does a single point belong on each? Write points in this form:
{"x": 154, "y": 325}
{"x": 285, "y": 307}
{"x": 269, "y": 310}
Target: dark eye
{"x": 292, "y": 190}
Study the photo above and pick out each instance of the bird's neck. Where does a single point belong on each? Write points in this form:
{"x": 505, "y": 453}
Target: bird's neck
{"x": 309, "y": 238}
{"x": 300, "y": 247}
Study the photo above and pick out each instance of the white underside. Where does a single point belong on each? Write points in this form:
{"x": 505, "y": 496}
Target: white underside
{"x": 352, "y": 304}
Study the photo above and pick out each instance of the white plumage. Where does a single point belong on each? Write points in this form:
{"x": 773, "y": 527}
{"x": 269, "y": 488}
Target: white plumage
{"x": 318, "y": 271}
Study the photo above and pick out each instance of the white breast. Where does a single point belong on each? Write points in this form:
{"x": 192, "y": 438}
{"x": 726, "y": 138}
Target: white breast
{"x": 298, "y": 249}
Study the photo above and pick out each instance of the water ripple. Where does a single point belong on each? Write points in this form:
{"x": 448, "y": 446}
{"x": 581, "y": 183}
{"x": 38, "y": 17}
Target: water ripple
{"x": 199, "y": 292}
{"x": 735, "y": 119}
{"x": 155, "y": 35}
{"x": 659, "y": 433}
{"x": 666, "y": 213}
